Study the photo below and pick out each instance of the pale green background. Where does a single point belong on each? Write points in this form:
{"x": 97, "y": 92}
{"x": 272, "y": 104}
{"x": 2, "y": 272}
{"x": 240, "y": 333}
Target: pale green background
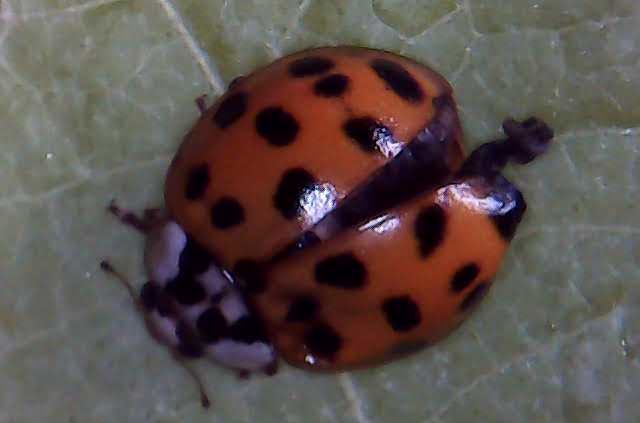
{"x": 95, "y": 96}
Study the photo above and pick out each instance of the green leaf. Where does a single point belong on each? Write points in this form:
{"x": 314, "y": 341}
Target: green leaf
{"x": 95, "y": 96}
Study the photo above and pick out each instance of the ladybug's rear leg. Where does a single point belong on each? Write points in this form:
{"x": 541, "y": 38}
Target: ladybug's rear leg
{"x": 201, "y": 101}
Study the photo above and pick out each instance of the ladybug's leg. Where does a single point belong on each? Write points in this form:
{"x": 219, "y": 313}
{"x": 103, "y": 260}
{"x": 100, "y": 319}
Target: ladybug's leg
{"x": 152, "y": 214}
{"x": 109, "y": 269}
{"x": 204, "y": 398}
{"x": 525, "y": 141}
{"x": 235, "y": 81}
{"x": 201, "y": 103}
{"x": 159, "y": 323}
{"x": 272, "y": 369}
{"x": 142, "y": 223}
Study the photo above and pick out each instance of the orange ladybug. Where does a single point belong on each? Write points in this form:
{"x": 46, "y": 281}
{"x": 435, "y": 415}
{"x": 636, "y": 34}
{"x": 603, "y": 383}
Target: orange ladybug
{"x": 323, "y": 210}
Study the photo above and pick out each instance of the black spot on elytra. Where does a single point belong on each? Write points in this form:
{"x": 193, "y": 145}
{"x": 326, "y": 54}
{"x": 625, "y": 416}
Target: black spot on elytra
{"x": 422, "y": 165}
{"x": 277, "y": 126}
{"x": 331, "y": 86}
{"x": 291, "y": 188}
{"x": 367, "y": 132}
{"x": 429, "y": 229}
{"x": 197, "y": 182}
{"x": 186, "y": 290}
{"x": 398, "y": 79}
{"x": 189, "y": 345}
{"x": 211, "y": 325}
{"x": 402, "y": 313}
{"x": 474, "y": 296}
{"x": 309, "y": 66}
{"x": 247, "y": 329}
{"x": 226, "y": 213}
{"x": 464, "y": 276}
{"x": 508, "y": 222}
{"x": 323, "y": 341}
{"x": 194, "y": 259}
{"x": 149, "y": 295}
{"x": 251, "y": 276}
{"x": 341, "y": 271}
{"x": 231, "y": 109}
{"x": 302, "y": 309}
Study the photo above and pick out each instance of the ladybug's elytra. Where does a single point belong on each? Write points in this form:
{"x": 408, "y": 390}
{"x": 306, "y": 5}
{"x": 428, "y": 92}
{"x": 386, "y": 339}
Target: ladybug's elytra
{"x": 323, "y": 210}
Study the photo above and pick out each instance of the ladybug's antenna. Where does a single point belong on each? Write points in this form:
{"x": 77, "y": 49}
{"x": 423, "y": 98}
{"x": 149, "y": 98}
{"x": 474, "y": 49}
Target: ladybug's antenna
{"x": 109, "y": 269}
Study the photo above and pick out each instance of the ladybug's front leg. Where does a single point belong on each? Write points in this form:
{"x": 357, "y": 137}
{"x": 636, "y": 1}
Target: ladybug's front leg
{"x": 143, "y": 223}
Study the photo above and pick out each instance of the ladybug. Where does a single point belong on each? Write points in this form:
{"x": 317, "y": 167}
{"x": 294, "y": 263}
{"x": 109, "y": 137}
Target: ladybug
{"x": 323, "y": 210}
